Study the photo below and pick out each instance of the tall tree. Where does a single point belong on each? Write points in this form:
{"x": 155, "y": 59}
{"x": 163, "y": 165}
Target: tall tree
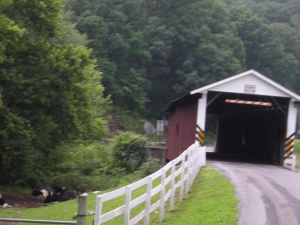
{"x": 264, "y": 51}
{"x": 43, "y": 84}
{"x": 192, "y": 43}
{"x": 112, "y": 28}
{"x": 169, "y": 46}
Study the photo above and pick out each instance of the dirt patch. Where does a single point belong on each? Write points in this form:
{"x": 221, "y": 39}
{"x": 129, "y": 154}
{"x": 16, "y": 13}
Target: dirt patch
{"x": 18, "y": 200}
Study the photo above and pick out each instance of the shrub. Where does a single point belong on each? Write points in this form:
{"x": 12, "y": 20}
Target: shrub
{"x": 130, "y": 151}
{"x": 83, "y": 183}
{"x": 149, "y": 167}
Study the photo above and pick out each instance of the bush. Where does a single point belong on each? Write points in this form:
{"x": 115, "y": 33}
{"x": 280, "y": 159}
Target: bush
{"x": 79, "y": 165}
{"x": 27, "y": 178}
{"x": 83, "y": 183}
{"x": 149, "y": 167}
{"x": 130, "y": 151}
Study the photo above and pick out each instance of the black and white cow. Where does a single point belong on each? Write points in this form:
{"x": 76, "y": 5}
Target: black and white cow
{"x": 46, "y": 191}
{"x": 64, "y": 195}
{"x": 54, "y": 193}
{"x": 2, "y": 202}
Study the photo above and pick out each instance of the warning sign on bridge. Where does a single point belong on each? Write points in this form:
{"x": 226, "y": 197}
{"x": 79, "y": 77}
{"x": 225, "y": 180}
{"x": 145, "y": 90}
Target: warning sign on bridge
{"x": 249, "y": 89}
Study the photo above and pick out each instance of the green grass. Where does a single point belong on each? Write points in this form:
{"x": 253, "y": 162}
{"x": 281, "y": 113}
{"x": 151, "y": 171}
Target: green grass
{"x": 297, "y": 151}
{"x": 211, "y": 201}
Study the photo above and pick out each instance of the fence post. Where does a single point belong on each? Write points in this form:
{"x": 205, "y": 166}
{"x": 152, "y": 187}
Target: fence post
{"x": 188, "y": 159}
{"x": 98, "y": 212}
{"x": 148, "y": 201}
{"x": 81, "y": 213}
{"x": 172, "y": 194}
{"x": 204, "y": 156}
{"x": 182, "y": 176}
{"x": 162, "y": 195}
{"x": 192, "y": 157}
{"x": 127, "y": 205}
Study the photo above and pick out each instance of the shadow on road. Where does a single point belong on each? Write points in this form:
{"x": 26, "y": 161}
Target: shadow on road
{"x": 234, "y": 158}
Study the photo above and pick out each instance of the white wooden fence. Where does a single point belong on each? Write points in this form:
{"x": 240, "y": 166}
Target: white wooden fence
{"x": 81, "y": 215}
{"x": 185, "y": 167}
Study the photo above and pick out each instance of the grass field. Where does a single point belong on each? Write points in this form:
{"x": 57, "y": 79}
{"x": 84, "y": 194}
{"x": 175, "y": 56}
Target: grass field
{"x": 211, "y": 201}
{"x": 297, "y": 151}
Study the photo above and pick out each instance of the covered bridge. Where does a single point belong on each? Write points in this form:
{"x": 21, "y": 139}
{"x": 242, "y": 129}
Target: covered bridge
{"x": 256, "y": 118}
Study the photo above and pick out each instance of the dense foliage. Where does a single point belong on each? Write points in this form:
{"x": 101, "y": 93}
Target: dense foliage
{"x": 130, "y": 151}
{"x": 270, "y": 33}
{"x": 149, "y": 52}
{"x": 45, "y": 87}
{"x": 154, "y": 51}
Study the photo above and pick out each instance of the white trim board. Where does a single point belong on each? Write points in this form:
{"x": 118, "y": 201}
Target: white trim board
{"x": 261, "y": 86}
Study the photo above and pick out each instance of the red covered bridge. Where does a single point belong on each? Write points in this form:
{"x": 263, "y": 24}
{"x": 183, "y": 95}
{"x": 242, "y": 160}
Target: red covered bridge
{"x": 256, "y": 118}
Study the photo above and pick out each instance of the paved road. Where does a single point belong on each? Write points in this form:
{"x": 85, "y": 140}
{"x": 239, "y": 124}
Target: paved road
{"x": 268, "y": 195}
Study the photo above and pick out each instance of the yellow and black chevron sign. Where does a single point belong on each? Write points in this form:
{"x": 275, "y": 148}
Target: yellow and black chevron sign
{"x": 289, "y": 145}
{"x": 200, "y": 135}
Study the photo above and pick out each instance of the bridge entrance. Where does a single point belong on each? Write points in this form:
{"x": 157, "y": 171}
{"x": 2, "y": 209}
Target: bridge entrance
{"x": 256, "y": 119}
{"x": 250, "y": 132}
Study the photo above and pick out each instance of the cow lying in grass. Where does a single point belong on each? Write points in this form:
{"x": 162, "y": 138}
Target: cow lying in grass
{"x": 2, "y": 202}
{"x": 54, "y": 194}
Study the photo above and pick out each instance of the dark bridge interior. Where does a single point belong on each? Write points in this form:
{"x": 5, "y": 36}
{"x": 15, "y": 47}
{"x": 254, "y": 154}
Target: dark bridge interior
{"x": 249, "y": 132}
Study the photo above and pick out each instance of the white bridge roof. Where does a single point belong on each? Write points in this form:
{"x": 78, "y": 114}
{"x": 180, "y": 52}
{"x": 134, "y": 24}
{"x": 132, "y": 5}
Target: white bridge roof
{"x": 249, "y": 82}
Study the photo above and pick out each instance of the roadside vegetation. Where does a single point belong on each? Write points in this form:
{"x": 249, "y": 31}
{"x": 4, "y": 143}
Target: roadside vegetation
{"x": 297, "y": 152}
{"x": 75, "y": 73}
{"x": 211, "y": 200}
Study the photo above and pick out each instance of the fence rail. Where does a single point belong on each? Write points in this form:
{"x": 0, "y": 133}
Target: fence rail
{"x": 81, "y": 215}
{"x": 186, "y": 166}
{"x": 182, "y": 172}
{"x": 37, "y": 221}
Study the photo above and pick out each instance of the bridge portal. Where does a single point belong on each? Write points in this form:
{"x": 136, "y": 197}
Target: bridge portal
{"x": 256, "y": 118}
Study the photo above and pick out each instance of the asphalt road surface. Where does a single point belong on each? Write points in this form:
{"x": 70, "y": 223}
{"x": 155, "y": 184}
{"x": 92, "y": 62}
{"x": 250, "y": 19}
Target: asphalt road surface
{"x": 268, "y": 195}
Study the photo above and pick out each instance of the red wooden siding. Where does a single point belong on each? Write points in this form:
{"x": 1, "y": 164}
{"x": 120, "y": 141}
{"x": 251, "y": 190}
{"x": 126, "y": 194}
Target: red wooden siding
{"x": 181, "y": 129}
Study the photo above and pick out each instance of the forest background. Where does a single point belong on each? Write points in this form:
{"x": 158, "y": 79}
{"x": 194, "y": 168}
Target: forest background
{"x": 75, "y": 73}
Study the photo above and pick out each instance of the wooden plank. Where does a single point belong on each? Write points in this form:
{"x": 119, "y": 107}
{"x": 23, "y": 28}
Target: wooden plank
{"x": 167, "y": 166}
{"x": 168, "y": 179}
{"x": 178, "y": 184}
{"x": 113, "y": 194}
{"x": 172, "y": 197}
{"x": 154, "y": 206}
{"x": 37, "y": 221}
{"x": 98, "y": 211}
{"x": 155, "y": 190}
{"x": 182, "y": 178}
{"x": 156, "y": 174}
{"x": 138, "y": 201}
{"x": 188, "y": 164}
{"x": 81, "y": 211}
{"x": 178, "y": 159}
{"x": 162, "y": 195}
{"x": 138, "y": 184}
{"x": 167, "y": 196}
{"x": 148, "y": 201}
{"x": 112, "y": 214}
{"x": 137, "y": 218}
{"x": 177, "y": 172}
{"x": 127, "y": 205}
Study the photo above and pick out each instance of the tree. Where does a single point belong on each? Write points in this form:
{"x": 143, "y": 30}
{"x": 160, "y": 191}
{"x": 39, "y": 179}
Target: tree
{"x": 264, "y": 51}
{"x": 43, "y": 86}
{"x": 192, "y": 43}
{"x": 112, "y": 28}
